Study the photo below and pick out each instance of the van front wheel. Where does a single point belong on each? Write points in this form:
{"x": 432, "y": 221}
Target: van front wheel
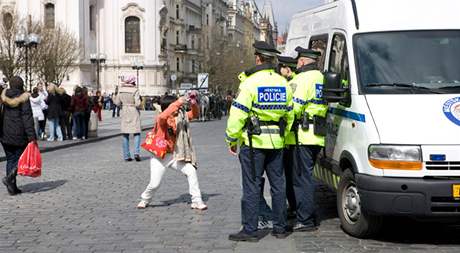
{"x": 354, "y": 221}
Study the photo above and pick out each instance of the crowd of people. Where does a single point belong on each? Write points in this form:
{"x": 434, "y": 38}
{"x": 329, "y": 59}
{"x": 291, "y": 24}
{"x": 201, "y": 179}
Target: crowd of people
{"x": 67, "y": 115}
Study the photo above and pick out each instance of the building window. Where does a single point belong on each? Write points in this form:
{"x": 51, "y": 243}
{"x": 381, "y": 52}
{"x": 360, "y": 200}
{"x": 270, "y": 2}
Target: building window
{"x": 92, "y": 18}
{"x": 207, "y": 19}
{"x": 178, "y": 64}
{"x": 132, "y": 35}
{"x": 7, "y": 21}
{"x": 49, "y": 15}
{"x": 177, "y": 37}
{"x": 193, "y": 66}
{"x": 193, "y": 42}
{"x": 177, "y": 12}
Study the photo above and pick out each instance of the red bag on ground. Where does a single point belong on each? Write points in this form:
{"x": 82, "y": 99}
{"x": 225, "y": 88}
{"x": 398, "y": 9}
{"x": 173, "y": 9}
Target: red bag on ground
{"x": 155, "y": 143}
{"x": 30, "y": 162}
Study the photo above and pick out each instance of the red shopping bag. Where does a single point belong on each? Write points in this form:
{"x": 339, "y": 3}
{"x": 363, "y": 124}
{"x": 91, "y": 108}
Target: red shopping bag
{"x": 155, "y": 143}
{"x": 30, "y": 162}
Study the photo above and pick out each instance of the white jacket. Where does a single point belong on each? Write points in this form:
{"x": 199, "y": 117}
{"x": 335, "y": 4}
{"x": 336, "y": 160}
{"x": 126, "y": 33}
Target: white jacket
{"x": 38, "y": 104}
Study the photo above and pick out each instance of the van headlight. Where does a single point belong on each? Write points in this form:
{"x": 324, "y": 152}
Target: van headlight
{"x": 394, "y": 157}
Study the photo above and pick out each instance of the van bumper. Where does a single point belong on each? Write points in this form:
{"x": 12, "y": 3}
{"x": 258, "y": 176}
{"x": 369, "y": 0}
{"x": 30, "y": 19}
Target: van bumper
{"x": 408, "y": 196}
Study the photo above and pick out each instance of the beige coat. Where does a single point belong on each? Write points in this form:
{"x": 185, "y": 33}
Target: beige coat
{"x": 129, "y": 100}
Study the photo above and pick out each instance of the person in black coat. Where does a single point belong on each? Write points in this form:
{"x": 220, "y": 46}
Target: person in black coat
{"x": 54, "y": 102}
{"x": 17, "y": 129}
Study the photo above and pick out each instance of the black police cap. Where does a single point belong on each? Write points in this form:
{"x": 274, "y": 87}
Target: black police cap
{"x": 288, "y": 61}
{"x": 309, "y": 53}
{"x": 265, "y": 49}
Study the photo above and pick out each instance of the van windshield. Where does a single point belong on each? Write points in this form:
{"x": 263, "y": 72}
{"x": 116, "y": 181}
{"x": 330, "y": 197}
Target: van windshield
{"x": 408, "y": 62}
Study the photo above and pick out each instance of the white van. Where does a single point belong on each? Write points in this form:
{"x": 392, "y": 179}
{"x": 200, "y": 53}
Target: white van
{"x": 392, "y": 80}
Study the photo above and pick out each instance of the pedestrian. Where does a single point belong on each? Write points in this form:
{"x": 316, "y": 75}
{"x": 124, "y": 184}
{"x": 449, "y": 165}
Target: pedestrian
{"x": 55, "y": 103}
{"x": 115, "y": 107}
{"x": 264, "y": 108}
{"x": 98, "y": 103}
{"x": 79, "y": 104}
{"x": 305, "y": 141}
{"x": 44, "y": 94}
{"x": 65, "y": 120}
{"x": 128, "y": 99}
{"x": 174, "y": 122}
{"x": 37, "y": 104}
{"x": 87, "y": 112}
{"x": 17, "y": 129}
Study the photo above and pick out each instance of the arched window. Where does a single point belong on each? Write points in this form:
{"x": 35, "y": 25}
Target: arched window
{"x": 49, "y": 15}
{"x": 132, "y": 35}
{"x": 7, "y": 20}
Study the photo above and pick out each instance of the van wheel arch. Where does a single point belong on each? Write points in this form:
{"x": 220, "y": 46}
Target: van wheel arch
{"x": 348, "y": 162}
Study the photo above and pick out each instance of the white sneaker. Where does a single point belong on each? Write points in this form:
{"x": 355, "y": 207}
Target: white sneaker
{"x": 74, "y": 138}
{"x": 142, "y": 205}
{"x": 199, "y": 206}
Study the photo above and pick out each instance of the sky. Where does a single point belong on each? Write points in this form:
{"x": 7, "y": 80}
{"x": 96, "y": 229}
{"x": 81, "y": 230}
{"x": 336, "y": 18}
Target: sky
{"x": 284, "y": 9}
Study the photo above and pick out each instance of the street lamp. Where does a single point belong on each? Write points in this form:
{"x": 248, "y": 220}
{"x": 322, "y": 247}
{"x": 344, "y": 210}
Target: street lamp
{"x": 137, "y": 66}
{"x": 27, "y": 41}
{"x": 97, "y": 59}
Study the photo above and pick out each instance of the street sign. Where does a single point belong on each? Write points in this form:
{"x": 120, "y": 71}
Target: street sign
{"x": 203, "y": 80}
{"x": 173, "y": 77}
{"x": 186, "y": 86}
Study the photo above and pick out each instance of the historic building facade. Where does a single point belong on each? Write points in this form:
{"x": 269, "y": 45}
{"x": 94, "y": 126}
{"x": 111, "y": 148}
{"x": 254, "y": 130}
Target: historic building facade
{"x": 167, "y": 37}
{"x": 123, "y": 32}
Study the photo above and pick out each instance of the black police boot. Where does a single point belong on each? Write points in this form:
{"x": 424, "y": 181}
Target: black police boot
{"x": 282, "y": 234}
{"x": 243, "y": 237}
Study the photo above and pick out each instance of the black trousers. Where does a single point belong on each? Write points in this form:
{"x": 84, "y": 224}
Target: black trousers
{"x": 269, "y": 161}
{"x": 303, "y": 183}
{"x": 12, "y": 157}
{"x": 289, "y": 171}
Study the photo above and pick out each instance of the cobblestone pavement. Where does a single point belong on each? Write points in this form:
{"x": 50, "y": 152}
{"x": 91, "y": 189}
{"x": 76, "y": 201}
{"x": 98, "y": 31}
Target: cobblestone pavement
{"x": 85, "y": 202}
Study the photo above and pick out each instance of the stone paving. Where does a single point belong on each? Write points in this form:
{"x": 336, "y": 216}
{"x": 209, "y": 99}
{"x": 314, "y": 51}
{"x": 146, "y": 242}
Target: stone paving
{"x": 107, "y": 128}
{"x": 85, "y": 202}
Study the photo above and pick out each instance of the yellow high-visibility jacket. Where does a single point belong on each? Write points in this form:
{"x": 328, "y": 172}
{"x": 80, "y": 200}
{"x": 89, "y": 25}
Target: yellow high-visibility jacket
{"x": 267, "y": 95}
{"x": 308, "y": 88}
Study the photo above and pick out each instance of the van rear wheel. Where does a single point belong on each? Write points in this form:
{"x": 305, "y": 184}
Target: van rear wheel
{"x": 352, "y": 218}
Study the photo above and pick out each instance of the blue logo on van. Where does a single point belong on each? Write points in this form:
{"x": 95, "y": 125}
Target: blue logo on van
{"x": 451, "y": 109}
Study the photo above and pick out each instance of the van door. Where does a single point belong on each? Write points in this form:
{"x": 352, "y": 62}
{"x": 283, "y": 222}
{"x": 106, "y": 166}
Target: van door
{"x": 338, "y": 63}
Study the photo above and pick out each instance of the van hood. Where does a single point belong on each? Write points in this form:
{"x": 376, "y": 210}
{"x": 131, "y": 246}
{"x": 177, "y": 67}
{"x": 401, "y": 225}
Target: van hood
{"x": 431, "y": 119}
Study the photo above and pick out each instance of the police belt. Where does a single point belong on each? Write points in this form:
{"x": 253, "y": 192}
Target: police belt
{"x": 264, "y": 124}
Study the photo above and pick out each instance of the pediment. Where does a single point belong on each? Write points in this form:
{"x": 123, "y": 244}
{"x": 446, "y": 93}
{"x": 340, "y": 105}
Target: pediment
{"x": 133, "y": 7}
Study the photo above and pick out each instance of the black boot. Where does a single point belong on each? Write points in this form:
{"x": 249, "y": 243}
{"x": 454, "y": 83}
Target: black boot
{"x": 13, "y": 181}
{"x": 243, "y": 237}
{"x": 9, "y": 184}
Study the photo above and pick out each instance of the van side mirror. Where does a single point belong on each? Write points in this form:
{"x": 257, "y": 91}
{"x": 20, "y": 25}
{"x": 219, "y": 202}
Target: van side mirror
{"x": 333, "y": 89}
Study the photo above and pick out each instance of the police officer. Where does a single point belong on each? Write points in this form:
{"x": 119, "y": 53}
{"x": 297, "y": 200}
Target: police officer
{"x": 259, "y": 118}
{"x": 306, "y": 138}
{"x": 287, "y": 67}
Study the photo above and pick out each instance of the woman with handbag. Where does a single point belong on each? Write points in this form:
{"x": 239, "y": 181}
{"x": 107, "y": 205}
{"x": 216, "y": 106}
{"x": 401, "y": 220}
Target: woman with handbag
{"x": 173, "y": 128}
{"x": 17, "y": 129}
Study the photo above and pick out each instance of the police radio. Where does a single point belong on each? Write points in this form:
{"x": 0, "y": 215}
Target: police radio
{"x": 305, "y": 124}
{"x": 254, "y": 126}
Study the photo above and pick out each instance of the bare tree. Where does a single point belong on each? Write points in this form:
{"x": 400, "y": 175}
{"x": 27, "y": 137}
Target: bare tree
{"x": 59, "y": 50}
{"x": 10, "y": 57}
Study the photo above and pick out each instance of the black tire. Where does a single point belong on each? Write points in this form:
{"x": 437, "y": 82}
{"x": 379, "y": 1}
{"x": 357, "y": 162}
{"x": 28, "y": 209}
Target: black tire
{"x": 353, "y": 220}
